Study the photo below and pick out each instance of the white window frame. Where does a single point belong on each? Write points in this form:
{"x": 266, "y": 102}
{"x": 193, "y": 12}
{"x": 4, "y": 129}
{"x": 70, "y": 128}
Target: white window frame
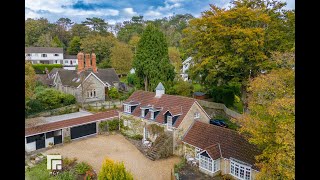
{"x": 197, "y": 153}
{"x": 152, "y": 115}
{"x": 209, "y": 164}
{"x": 66, "y": 61}
{"x": 142, "y": 112}
{"x": 236, "y": 169}
{"x": 127, "y": 108}
{"x": 169, "y": 125}
{"x": 196, "y": 115}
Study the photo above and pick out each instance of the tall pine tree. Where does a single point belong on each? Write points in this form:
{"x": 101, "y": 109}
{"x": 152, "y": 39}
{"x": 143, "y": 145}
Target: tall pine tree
{"x": 151, "y": 61}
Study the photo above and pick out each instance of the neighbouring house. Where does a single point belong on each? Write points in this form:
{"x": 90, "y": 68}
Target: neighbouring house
{"x": 87, "y": 83}
{"x": 70, "y": 62}
{"x": 57, "y": 130}
{"x": 185, "y": 67}
{"x": 50, "y": 55}
{"x": 174, "y": 113}
{"x": 220, "y": 150}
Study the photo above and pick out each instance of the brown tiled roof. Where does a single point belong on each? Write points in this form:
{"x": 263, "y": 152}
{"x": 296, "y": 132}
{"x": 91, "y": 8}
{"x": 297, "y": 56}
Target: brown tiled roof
{"x": 232, "y": 144}
{"x": 43, "y": 50}
{"x": 214, "y": 151}
{"x": 175, "y": 110}
{"x": 165, "y": 102}
{"x": 70, "y": 122}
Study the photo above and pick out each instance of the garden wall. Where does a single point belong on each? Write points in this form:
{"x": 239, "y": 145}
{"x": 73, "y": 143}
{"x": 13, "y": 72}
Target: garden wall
{"x": 220, "y": 106}
{"x": 63, "y": 110}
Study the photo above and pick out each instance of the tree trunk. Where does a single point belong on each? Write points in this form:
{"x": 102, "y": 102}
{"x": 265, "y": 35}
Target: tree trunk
{"x": 146, "y": 83}
{"x": 244, "y": 98}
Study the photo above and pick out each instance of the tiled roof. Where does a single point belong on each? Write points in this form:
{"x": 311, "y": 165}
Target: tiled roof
{"x": 70, "y": 122}
{"x": 214, "y": 151}
{"x": 175, "y": 110}
{"x": 68, "y": 56}
{"x": 43, "y": 50}
{"x": 165, "y": 102}
{"x": 232, "y": 144}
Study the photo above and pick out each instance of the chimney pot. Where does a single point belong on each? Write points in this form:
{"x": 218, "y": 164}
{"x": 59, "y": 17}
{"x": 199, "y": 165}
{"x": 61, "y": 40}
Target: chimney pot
{"x": 94, "y": 60}
{"x": 80, "y": 57}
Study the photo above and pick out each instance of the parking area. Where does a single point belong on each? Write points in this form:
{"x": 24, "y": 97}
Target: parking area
{"x": 94, "y": 149}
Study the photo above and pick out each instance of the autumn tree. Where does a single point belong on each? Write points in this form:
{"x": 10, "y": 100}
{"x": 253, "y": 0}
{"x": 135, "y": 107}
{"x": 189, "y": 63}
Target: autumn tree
{"x": 121, "y": 58}
{"x": 100, "y": 45}
{"x": 271, "y": 123}
{"x": 74, "y": 46}
{"x": 151, "y": 62}
{"x": 175, "y": 59}
{"x": 227, "y": 46}
{"x": 113, "y": 170}
{"x": 134, "y": 42}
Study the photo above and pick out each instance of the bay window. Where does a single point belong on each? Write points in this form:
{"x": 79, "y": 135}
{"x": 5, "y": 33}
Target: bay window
{"x": 240, "y": 171}
{"x": 208, "y": 164}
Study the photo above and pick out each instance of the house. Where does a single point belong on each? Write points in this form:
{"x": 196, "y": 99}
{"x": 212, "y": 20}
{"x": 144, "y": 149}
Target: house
{"x": 50, "y": 55}
{"x": 174, "y": 113}
{"x": 220, "y": 150}
{"x": 185, "y": 67}
{"x": 70, "y": 62}
{"x": 56, "y": 130}
{"x": 87, "y": 83}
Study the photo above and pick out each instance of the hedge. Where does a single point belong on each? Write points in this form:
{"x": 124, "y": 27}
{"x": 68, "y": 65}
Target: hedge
{"x": 40, "y": 68}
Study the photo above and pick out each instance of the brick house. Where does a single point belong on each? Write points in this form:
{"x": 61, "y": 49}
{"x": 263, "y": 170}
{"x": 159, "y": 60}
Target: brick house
{"x": 87, "y": 83}
{"x": 174, "y": 113}
{"x": 220, "y": 150}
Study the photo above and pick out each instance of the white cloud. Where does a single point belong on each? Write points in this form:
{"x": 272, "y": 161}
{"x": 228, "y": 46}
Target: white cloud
{"x": 152, "y": 13}
{"x": 129, "y": 12}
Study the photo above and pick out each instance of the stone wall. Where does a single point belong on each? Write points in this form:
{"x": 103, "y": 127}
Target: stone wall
{"x": 59, "y": 111}
{"x": 219, "y": 106}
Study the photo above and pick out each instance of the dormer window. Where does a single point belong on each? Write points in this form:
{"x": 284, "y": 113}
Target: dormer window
{"x": 127, "y": 109}
{"x": 152, "y": 115}
{"x": 145, "y": 110}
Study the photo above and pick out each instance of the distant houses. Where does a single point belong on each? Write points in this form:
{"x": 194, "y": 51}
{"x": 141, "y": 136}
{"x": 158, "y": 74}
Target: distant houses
{"x": 185, "y": 67}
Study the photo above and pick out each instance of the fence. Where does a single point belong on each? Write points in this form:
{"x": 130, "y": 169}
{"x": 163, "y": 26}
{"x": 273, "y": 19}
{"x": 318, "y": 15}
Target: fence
{"x": 220, "y": 106}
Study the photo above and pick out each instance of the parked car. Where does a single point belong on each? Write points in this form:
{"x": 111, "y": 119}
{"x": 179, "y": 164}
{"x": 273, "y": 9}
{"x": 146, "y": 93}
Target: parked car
{"x": 218, "y": 122}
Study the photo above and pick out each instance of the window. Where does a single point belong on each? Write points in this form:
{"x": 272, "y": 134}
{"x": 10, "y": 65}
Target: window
{"x": 169, "y": 122}
{"x": 43, "y": 55}
{"x": 56, "y": 54}
{"x": 91, "y": 94}
{"x": 208, "y": 164}
{"x": 197, "y": 151}
{"x": 127, "y": 109}
{"x": 142, "y": 112}
{"x": 240, "y": 171}
{"x": 66, "y": 61}
{"x": 35, "y": 54}
{"x": 196, "y": 115}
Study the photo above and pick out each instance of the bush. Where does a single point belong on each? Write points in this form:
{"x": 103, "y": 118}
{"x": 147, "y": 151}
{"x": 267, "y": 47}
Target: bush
{"x": 137, "y": 137}
{"x": 40, "y": 68}
{"x": 133, "y": 80}
{"x": 51, "y": 98}
{"x": 113, "y": 93}
{"x": 113, "y": 125}
{"x": 35, "y": 106}
{"x": 180, "y": 165}
{"x": 90, "y": 175}
{"x": 82, "y": 168}
{"x": 112, "y": 170}
{"x": 68, "y": 99}
{"x": 39, "y": 171}
{"x": 66, "y": 175}
{"x": 224, "y": 95}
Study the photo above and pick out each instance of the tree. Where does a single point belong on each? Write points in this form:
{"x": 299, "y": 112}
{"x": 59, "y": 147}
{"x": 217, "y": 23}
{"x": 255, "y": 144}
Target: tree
{"x": 227, "y": 46}
{"x": 97, "y": 24}
{"x": 113, "y": 93}
{"x": 183, "y": 88}
{"x": 271, "y": 123}
{"x": 134, "y": 42}
{"x": 30, "y": 80}
{"x": 100, "y": 45}
{"x": 44, "y": 40}
{"x": 80, "y": 30}
{"x": 65, "y": 23}
{"x": 113, "y": 170}
{"x": 34, "y": 28}
{"x": 174, "y": 57}
{"x": 121, "y": 58}
{"x": 56, "y": 42}
{"x": 151, "y": 61}
{"x": 74, "y": 46}
{"x": 130, "y": 28}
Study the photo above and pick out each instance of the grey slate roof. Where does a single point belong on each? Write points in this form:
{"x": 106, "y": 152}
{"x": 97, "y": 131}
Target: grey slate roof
{"x": 69, "y": 77}
{"x": 160, "y": 87}
{"x": 67, "y": 56}
{"x": 43, "y": 50}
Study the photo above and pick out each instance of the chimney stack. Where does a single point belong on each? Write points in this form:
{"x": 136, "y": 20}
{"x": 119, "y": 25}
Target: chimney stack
{"x": 88, "y": 64}
{"x": 80, "y": 57}
{"x": 93, "y": 59}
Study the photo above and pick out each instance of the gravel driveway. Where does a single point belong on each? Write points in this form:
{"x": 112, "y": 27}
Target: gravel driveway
{"x": 94, "y": 149}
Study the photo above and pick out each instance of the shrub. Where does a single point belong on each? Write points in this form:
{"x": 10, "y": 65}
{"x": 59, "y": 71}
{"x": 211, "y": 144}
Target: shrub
{"x": 68, "y": 99}
{"x": 35, "y": 106}
{"x": 66, "y": 175}
{"x": 89, "y": 175}
{"x": 51, "y": 98}
{"x": 40, "y": 68}
{"x": 82, "y": 168}
{"x": 180, "y": 165}
{"x": 224, "y": 95}
{"x": 113, "y": 125}
{"x": 113, "y": 93}
{"x": 112, "y": 170}
{"x": 39, "y": 171}
{"x": 137, "y": 137}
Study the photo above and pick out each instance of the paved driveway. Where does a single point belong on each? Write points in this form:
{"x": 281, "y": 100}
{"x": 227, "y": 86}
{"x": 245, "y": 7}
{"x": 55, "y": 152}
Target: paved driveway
{"x": 94, "y": 149}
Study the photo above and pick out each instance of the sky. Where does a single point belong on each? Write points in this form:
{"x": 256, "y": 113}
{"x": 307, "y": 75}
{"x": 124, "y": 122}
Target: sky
{"x": 113, "y": 11}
